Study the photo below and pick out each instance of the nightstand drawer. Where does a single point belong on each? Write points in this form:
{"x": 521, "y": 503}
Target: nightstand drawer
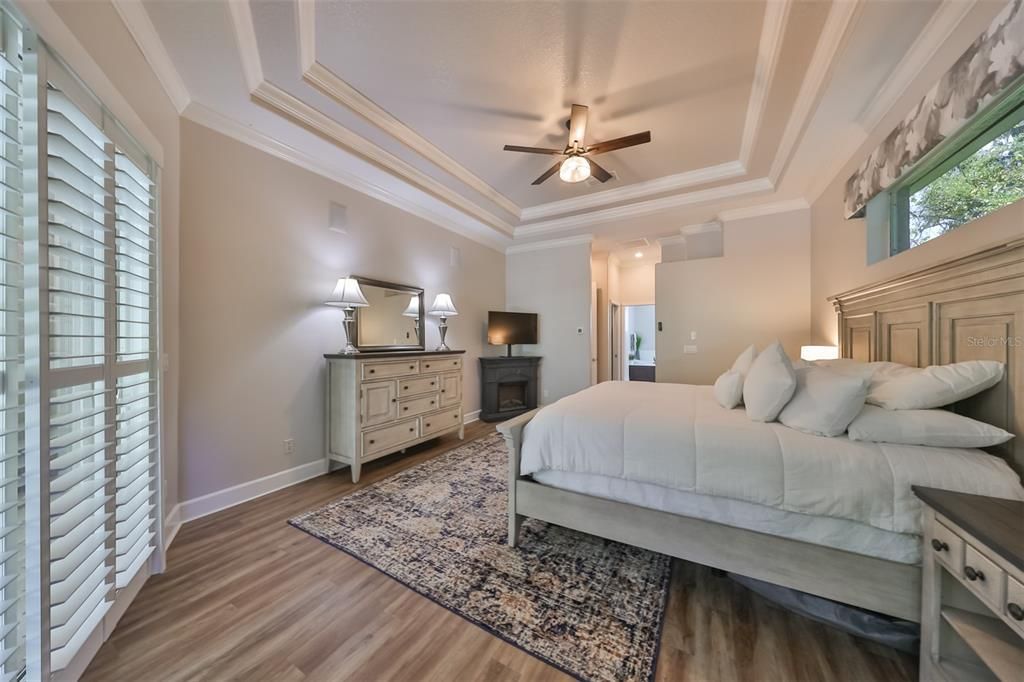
{"x": 983, "y": 577}
{"x": 1013, "y": 610}
{"x": 947, "y": 547}
{"x": 386, "y": 370}
{"x": 414, "y": 406}
{"x": 441, "y": 421}
{"x": 390, "y": 437}
{"x": 441, "y": 364}
{"x": 417, "y": 385}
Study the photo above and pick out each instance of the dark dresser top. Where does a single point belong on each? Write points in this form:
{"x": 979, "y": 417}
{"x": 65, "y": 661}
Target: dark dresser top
{"x": 386, "y": 354}
{"x": 997, "y": 523}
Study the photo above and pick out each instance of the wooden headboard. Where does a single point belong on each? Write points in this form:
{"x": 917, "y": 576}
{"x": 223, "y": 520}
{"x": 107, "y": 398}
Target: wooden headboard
{"x": 970, "y": 308}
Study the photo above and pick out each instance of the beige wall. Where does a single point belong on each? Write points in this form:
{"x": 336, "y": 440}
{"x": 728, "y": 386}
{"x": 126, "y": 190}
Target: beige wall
{"x": 98, "y": 28}
{"x": 636, "y": 284}
{"x": 258, "y": 260}
{"x": 555, "y": 284}
{"x": 756, "y": 293}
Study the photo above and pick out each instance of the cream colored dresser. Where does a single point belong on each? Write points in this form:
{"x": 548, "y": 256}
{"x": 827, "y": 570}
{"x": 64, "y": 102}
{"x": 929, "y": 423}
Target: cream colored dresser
{"x": 380, "y": 403}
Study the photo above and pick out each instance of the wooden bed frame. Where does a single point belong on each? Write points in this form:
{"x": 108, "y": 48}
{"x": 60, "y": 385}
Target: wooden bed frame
{"x": 968, "y": 308}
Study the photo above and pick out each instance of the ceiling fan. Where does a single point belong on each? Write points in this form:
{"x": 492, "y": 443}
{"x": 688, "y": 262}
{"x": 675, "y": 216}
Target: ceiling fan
{"x": 577, "y": 164}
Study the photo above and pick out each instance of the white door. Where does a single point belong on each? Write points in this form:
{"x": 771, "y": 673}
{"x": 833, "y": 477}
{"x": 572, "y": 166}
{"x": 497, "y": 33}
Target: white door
{"x": 378, "y": 402}
{"x": 593, "y": 333}
{"x": 616, "y": 341}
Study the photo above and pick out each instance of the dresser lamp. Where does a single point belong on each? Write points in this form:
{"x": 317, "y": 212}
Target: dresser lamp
{"x": 347, "y": 296}
{"x": 443, "y": 308}
{"x": 413, "y": 310}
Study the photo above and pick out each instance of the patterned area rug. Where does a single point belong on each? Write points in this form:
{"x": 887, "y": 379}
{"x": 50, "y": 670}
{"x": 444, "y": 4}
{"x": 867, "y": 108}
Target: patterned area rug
{"x": 590, "y": 607}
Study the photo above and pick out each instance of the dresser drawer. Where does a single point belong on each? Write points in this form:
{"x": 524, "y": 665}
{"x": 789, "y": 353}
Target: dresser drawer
{"x": 441, "y": 421}
{"x": 1013, "y": 610}
{"x": 386, "y": 370}
{"x": 983, "y": 577}
{"x": 413, "y": 406}
{"x": 417, "y": 385}
{"x": 441, "y": 364}
{"x": 390, "y": 437}
{"x": 947, "y": 547}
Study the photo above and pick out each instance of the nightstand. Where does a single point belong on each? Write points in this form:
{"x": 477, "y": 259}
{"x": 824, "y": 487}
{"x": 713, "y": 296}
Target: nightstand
{"x": 972, "y": 587}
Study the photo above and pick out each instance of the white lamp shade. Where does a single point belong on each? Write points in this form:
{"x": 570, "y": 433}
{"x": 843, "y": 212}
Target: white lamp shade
{"x": 811, "y": 353}
{"x": 413, "y": 309}
{"x": 347, "y": 294}
{"x": 443, "y": 306}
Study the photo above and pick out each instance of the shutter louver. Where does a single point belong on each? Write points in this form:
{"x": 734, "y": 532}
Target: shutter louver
{"x": 12, "y": 368}
{"x": 82, "y": 403}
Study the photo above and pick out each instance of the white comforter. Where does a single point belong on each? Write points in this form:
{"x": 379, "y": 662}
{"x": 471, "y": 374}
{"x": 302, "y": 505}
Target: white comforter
{"x": 678, "y": 436}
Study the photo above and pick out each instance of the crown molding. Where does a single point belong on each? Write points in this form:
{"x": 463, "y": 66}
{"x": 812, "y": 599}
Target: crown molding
{"x": 700, "y": 228}
{"x": 471, "y": 229}
{"x": 935, "y": 33}
{"x": 245, "y": 37}
{"x": 305, "y": 22}
{"x": 638, "y": 190}
{"x": 550, "y": 244}
{"x": 841, "y": 16}
{"x": 645, "y": 207}
{"x": 746, "y": 212}
{"x": 140, "y": 26}
{"x": 327, "y": 82}
{"x": 313, "y": 119}
{"x": 769, "y": 48}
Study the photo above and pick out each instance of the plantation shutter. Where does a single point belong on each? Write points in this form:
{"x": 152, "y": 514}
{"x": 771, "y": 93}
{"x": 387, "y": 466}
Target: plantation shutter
{"x": 12, "y": 366}
{"x": 80, "y": 170}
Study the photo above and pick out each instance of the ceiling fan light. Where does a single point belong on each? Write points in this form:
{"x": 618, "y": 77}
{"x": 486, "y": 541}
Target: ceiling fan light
{"x": 574, "y": 169}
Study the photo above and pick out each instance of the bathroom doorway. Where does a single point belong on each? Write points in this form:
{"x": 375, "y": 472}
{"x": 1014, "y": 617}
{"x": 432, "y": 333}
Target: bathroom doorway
{"x": 639, "y": 342}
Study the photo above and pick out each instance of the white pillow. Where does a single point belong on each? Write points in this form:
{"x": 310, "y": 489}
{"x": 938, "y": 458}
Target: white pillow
{"x": 911, "y": 388}
{"x": 769, "y": 384}
{"x": 729, "y": 389}
{"x": 744, "y": 360}
{"x": 938, "y": 428}
{"x": 825, "y": 402}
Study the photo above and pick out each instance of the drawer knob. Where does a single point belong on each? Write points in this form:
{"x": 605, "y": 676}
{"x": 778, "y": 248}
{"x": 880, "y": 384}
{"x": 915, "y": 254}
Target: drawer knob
{"x": 372, "y": 441}
{"x": 1015, "y": 610}
{"x": 405, "y": 388}
{"x": 428, "y": 425}
{"x": 432, "y": 383}
{"x": 394, "y": 400}
{"x": 939, "y": 545}
{"x": 406, "y": 408}
{"x": 442, "y": 390}
{"x": 412, "y": 366}
{"x": 411, "y": 428}
{"x": 372, "y": 371}
{"x": 973, "y": 574}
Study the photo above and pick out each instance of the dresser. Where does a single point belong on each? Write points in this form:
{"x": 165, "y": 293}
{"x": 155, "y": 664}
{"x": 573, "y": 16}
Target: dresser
{"x": 972, "y": 600}
{"x": 381, "y": 403}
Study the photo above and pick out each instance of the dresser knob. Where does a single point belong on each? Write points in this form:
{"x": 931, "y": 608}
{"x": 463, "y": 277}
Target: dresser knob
{"x": 406, "y": 408}
{"x": 442, "y": 390}
{"x": 394, "y": 400}
{"x": 372, "y": 371}
{"x": 973, "y": 574}
{"x": 939, "y": 545}
{"x": 412, "y": 366}
{"x": 427, "y": 366}
{"x": 372, "y": 441}
{"x": 428, "y": 426}
{"x": 412, "y": 428}
{"x": 1015, "y": 610}
{"x": 405, "y": 388}
{"x": 431, "y": 402}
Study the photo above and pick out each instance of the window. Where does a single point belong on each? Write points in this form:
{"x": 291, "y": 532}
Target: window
{"x": 976, "y": 173}
{"x": 79, "y": 381}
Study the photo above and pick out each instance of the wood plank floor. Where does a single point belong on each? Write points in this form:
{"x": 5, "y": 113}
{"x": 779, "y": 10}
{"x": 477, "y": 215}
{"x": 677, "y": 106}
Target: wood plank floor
{"x": 248, "y": 597}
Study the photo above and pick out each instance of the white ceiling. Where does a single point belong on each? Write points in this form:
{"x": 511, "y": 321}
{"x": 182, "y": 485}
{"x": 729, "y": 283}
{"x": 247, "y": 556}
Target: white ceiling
{"x": 747, "y": 101}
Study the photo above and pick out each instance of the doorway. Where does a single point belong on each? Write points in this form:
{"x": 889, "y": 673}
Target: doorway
{"x": 615, "y": 343}
{"x": 639, "y": 341}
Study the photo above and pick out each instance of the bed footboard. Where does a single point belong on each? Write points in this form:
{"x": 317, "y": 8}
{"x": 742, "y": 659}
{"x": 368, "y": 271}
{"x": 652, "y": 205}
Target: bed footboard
{"x": 512, "y": 430}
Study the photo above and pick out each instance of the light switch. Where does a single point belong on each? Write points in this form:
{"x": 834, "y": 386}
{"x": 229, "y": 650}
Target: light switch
{"x": 688, "y": 349}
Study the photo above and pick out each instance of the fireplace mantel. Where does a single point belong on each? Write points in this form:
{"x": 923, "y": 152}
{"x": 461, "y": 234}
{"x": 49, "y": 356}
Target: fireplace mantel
{"x": 508, "y": 386}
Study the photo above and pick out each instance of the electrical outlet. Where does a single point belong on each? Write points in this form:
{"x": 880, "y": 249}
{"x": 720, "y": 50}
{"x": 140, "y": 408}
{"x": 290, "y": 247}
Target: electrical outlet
{"x": 289, "y": 446}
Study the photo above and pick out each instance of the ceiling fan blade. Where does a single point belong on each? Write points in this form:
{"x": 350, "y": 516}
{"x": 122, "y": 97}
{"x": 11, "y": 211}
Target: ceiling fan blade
{"x": 598, "y": 172}
{"x": 619, "y": 143}
{"x": 547, "y": 174}
{"x": 578, "y": 124}
{"x": 532, "y": 150}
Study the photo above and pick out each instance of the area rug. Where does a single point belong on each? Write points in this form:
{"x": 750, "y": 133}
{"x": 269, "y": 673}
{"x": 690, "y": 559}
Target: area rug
{"x": 587, "y": 606}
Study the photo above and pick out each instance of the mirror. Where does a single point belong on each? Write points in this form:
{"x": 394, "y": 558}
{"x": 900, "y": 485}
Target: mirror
{"x": 393, "y": 318}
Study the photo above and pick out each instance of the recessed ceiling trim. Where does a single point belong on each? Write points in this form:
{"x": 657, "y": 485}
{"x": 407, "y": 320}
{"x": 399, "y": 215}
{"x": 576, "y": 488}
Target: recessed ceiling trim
{"x": 136, "y": 20}
{"x": 938, "y": 29}
{"x": 550, "y": 244}
{"x": 760, "y": 210}
{"x": 646, "y": 207}
{"x": 769, "y": 48}
{"x": 469, "y": 228}
{"x": 313, "y": 119}
{"x": 841, "y": 16}
{"x": 637, "y": 190}
{"x": 245, "y": 37}
{"x": 327, "y": 82}
{"x": 305, "y": 21}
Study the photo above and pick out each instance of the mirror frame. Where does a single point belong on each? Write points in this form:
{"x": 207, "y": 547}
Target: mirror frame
{"x": 394, "y": 287}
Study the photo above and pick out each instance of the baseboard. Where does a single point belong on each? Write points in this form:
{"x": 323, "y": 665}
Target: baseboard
{"x": 229, "y": 497}
{"x": 172, "y": 524}
{"x": 471, "y": 417}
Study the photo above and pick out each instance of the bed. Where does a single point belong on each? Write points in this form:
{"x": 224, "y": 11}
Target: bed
{"x": 663, "y": 466}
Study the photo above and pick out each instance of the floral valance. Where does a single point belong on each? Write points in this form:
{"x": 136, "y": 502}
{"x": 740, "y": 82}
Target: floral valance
{"x": 991, "y": 64}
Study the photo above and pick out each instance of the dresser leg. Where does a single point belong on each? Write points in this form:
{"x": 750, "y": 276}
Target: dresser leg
{"x": 356, "y": 467}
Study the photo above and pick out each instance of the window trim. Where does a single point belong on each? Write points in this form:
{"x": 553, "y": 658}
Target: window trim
{"x": 986, "y": 125}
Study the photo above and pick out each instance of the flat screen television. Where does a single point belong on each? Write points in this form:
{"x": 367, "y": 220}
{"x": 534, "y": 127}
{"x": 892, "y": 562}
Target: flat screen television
{"x": 505, "y": 329}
